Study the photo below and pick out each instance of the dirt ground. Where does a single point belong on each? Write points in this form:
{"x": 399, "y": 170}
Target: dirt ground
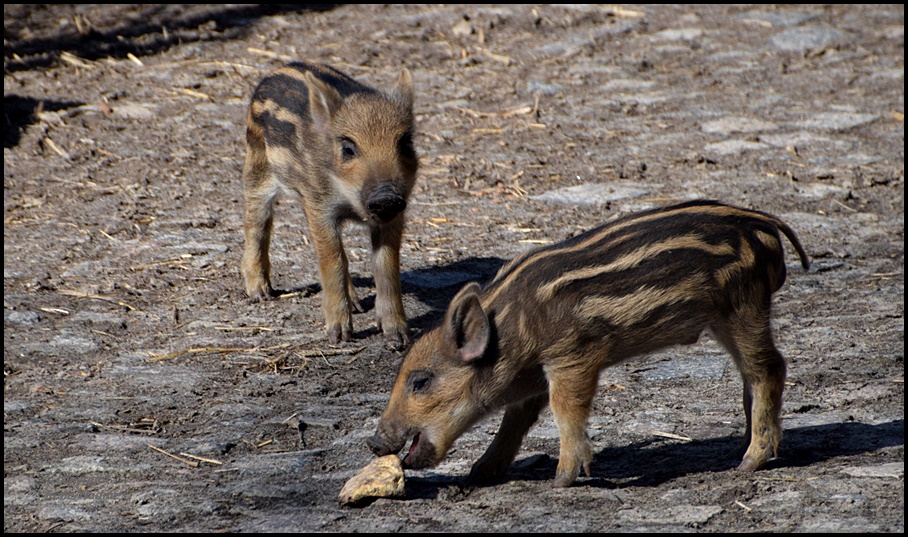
{"x": 144, "y": 392}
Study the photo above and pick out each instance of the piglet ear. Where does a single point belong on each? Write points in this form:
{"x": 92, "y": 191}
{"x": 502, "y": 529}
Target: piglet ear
{"x": 324, "y": 101}
{"x": 466, "y": 325}
{"x": 404, "y": 89}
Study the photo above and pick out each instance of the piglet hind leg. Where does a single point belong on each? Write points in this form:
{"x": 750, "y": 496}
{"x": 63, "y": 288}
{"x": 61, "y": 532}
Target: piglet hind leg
{"x": 749, "y": 340}
{"x": 258, "y": 221}
{"x": 495, "y": 462}
{"x": 571, "y": 391}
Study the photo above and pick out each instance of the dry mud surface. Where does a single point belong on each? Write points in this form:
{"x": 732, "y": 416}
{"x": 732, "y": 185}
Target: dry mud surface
{"x": 128, "y": 337}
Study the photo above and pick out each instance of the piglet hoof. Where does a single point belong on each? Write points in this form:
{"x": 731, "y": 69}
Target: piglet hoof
{"x": 397, "y": 338}
{"x": 336, "y": 334}
{"x": 563, "y": 481}
{"x": 259, "y": 291}
{"x": 566, "y": 477}
{"x": 397, "y": 335}
{"x": 757, "y": 457}
{"x": 482, "y": 475}
{"x": 484, "y": 480}
{"x": 750, "y": 464}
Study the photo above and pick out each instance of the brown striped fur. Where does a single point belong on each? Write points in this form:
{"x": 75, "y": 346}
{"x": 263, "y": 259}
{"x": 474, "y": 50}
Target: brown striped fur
{"x": 541, "y": 331}
{"x": 345, "y": 150}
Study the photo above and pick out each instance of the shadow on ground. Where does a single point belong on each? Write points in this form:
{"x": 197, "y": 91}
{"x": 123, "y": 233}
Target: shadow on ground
{"x": 20, "y": 112}
{"x": 651, "y": 463}
{"x": 434, "y": 286}
{"x": 149, "y": 29}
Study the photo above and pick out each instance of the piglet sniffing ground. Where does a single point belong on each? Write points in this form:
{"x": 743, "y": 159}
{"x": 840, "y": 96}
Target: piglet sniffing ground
{"x": 541, "y": 331}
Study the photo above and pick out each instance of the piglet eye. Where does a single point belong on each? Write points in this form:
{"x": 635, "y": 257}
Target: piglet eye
{"x": 419, "y": 381}
{"x": 348, "y": 149}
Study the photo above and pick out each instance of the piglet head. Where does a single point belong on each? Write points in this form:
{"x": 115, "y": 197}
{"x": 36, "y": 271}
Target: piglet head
{"x": 434, "y": 399}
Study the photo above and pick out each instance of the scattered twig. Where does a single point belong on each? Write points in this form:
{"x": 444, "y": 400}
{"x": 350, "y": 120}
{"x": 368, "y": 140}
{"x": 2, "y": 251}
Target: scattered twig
{"x": 82, "y": 27}
{"x": 487, "y": 130}
{"x": 198, "y": 350}
{"x": 672, "y": 436}
{"x": 80, "y": 294}
{"x": 103, "y": 333}
{"x": 505, "y": 60}
{"x": 202, "y": 459}
{"x": 269, "y": 54}
{"x": 102, "y": 232}
{"x": 180, "y": 259}
{"x": 56, "y": 149}
{"x": 527, "y": 109}
{"x": 302, "y": 354}
{"x": 738, "y": 503}
{"x": 519, "y": 111}
{"x": 193, "y": 93}
{"x": 619, "y": 11}
{"x": 273, "y": 364}
{"x": 228, "y": 64}
{"x": 61, "y": 311}
{"x": 291, "y": 294}
{"x": 885, "y": 274}
{"x": 260, "y": 444}
{"x": 843, "y": 205}
{"x": 134, "y": 60}
{"x": 194, "y": 464}
{"x": 54, "y": 526}
{"x": 787, "y": 479}
{"x": 75, "y": 61}
{"x": 329, "y": 352}
{"x": 126, "y": 429}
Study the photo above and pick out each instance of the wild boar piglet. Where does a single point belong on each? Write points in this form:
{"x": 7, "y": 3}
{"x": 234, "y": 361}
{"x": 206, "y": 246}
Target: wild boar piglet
{"x": 346, "y": 151}
{"x": 542, "y": 330}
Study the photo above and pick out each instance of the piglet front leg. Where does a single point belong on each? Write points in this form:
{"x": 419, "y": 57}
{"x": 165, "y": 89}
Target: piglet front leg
{"x": 389, "y": 308}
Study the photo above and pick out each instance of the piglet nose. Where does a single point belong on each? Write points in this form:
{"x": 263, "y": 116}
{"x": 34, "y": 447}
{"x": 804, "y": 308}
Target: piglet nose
{"x": 378, "y": 445}
{"x": 385, "y": 203}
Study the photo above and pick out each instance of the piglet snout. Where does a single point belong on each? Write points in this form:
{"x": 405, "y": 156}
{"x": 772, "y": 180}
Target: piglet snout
{"x": 385, "y": 203}
{"x": 378, "y": 445}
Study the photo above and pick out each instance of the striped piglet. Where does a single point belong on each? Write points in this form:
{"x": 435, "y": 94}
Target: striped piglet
{"x": 541, "y": 331}
{"x": 345, "y": 150}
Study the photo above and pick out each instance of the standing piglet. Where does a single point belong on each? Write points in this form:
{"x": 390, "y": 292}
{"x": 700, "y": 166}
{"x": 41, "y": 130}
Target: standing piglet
{"x": 346, "y": 150}
{"x": 541, "y": 331}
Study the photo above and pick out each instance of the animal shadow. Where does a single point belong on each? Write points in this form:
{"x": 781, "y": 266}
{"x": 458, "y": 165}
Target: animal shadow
{"x": 433, "y": 286}
{"x": 653, "y": 462}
